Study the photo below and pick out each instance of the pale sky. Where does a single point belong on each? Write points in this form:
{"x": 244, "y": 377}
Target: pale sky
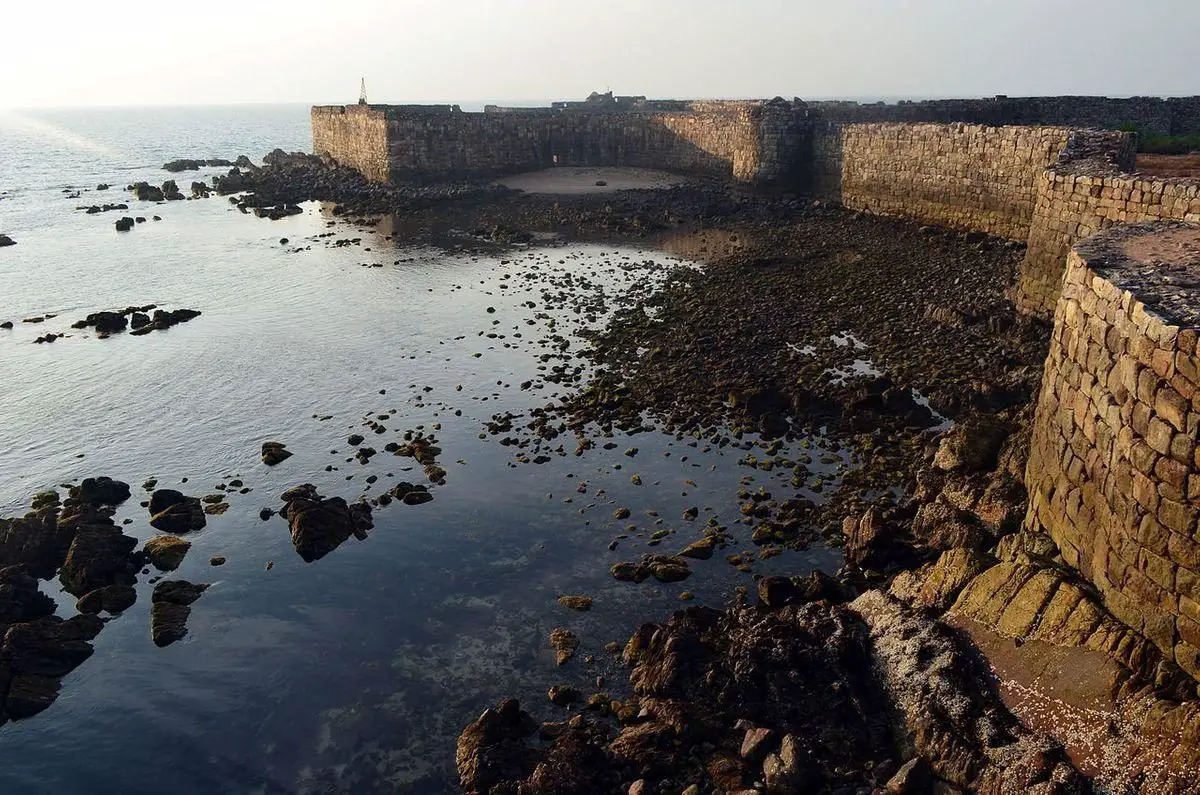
{"x": 170, "y": 52}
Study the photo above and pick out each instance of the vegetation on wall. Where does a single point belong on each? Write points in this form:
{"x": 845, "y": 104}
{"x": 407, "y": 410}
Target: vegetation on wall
{"x": 1163, "y": 144}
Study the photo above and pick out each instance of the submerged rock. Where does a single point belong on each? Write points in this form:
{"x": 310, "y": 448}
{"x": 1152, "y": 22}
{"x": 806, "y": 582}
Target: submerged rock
{"x": 564, "y": 642}
{"x": 170, "y": 608}
{"x": 580, "y": 603}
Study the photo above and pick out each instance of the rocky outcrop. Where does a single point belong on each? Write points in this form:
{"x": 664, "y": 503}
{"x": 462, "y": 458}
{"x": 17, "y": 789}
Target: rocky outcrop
{"x": 320, "y": 525}
{"x": 34, "y": 657}
{"x": 98, "y": 557}
{"x": 949, "y": 712}
{"x": 721, "y": 700}
{"x": 162, "y": 320}
{"x": 186, "y": 164}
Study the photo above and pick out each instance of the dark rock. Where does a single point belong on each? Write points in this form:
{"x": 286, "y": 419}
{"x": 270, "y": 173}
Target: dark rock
{"x": 110, "y": 598}
{"x": 104, "y": 322}
{"x": 162, "y": 499}
{"x": 8, "y": 324}
{"x": 20, "y": 597}
{"x": 172, "y": 512}
{"x": 913, "y": 778}
{"x": 37, "y": 540}
{"x": 29, "y": 694}
{"x": 50, "y": 646}
{"x": 5, "y": 240}
{"x": 170, "y": 191}
{"x": 274, "y": 453}
{"x": 98, "y": 556}
{"x": 178, "y": 592}
{"x": 138, "y": 320}
{"x": 144, "y": 191}
{"x": 320, "y": 525}
{"x": 166, "y": 552}
{"x": 101, "y": 491}
{"x": 168, "y": 622}
{"x": 124, "y": 224}
{"x": 492, "y": 749}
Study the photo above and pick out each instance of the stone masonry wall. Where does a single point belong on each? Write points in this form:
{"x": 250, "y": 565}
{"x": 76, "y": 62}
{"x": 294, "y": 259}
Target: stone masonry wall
{"x": 961, "y": 176}
{"x": 1080, "y": 197}
{"x": 1173, "y": 116}
{"x": 1114, "y": 469}
{"x": 756, "y": 142}
{"x": 354, "y": 135}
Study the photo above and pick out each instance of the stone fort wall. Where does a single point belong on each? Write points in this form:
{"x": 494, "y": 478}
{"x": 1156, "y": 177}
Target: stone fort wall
{"x": 1048, "y": 186}
{"x": 1155, "y": 115}
{"x": 963, "y": 176}
{"x": 754, "y": 142}
{"x": 354, "y": 135}
{"x": 1114, "y": 470}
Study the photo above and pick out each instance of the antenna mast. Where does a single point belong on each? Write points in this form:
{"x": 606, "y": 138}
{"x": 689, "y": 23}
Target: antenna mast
{"x": 362, "y": 92}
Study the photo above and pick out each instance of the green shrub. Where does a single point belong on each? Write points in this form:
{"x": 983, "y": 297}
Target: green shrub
{"x": 1163, "y": 144}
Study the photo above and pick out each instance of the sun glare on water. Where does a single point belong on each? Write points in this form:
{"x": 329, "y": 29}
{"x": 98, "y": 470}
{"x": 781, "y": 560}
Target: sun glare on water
{"x": 22, "y": 123}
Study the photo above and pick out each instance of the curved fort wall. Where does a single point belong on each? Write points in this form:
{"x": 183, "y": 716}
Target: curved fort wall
{"x": 1114, "y": 471}
{"x": 1047, "y": 186}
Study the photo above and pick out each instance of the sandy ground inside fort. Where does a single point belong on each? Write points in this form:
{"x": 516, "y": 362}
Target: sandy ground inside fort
{"x": 574, "y": 180}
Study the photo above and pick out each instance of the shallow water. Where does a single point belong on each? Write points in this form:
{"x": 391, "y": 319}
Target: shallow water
{"x": 355, "y": 672}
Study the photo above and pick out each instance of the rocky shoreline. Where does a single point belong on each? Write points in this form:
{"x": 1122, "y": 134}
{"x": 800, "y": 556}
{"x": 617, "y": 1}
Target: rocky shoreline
{"x": 893, "y": 342}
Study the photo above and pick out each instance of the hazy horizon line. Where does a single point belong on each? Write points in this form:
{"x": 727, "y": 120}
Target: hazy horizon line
{"x": 541, "y": 102}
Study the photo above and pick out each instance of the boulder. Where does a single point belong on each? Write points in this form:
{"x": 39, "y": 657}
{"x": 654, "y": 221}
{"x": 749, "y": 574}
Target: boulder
{"x": 38, "y": 541}
{"x": 20, "y": 597}
{"x": 166, "y": 552}
{"x": 172, "y": 512}
{"x": 274, "y": 453}
{"x": 98, "y": 556}
{"x": 50, "y": 646}
{"x": 178, "y": 592}
{"x": 320, "y": 525}
{"x": 101, "y": 491}
{"x": 170, "y": 191}
{"x": 5, "y": 240}
{"x": 110, "y": 599}
{"x": 492, "y": 748}
{"x": 168, "y": 622}
{"x": 972, "y": 446}
{"x": 124, "y": 224}
{"x": 144, "y": 191}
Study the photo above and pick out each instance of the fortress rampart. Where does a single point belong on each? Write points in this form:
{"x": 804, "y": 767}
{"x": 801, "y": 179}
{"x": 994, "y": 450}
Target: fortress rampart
{"x": 1032, "y": 170}
{"x": 753, "y": 142}
{"x": 1114, "y": 471}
